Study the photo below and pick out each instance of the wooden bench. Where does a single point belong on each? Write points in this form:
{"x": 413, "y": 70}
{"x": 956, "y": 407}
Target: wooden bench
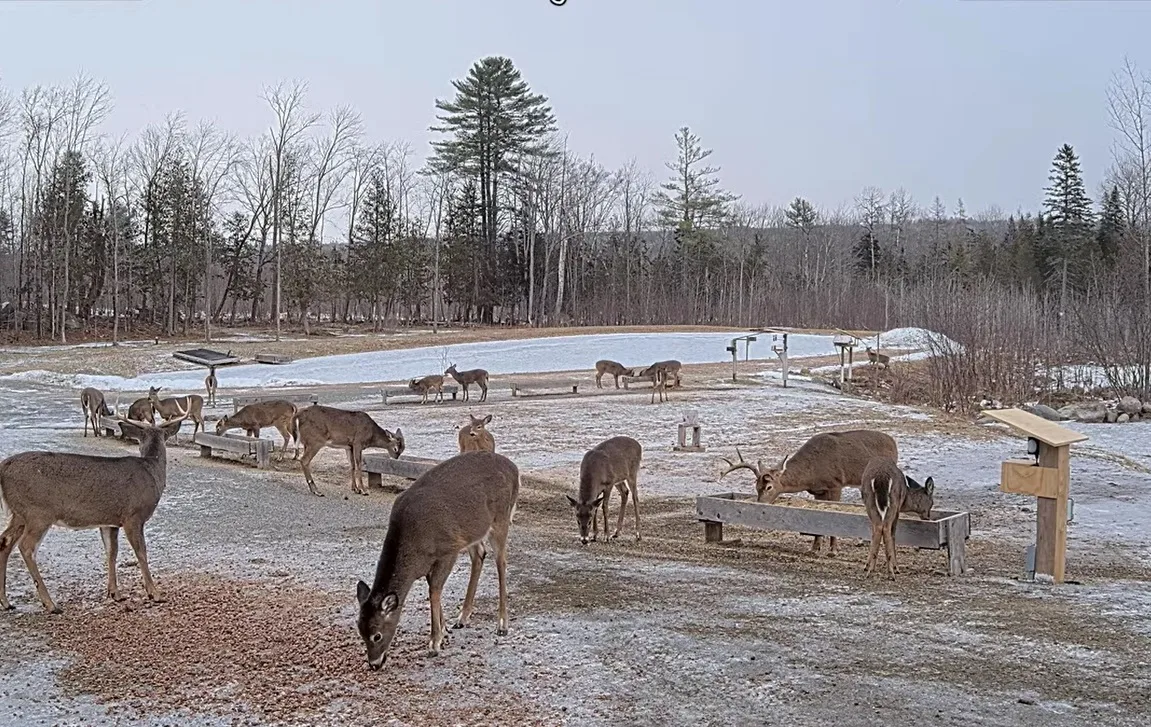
{"x": 272, "y": 358}
{"x": 110, "y": 426}
{"x": 627, "y": 380}
{"x": 391, "y": 392}
{"x": 242, "y": 445}
{"x": 949, "y": 530}
{"x": 239, "y": 402}
{"x": 377, "y": 465}
{"x": 538, "y": 387}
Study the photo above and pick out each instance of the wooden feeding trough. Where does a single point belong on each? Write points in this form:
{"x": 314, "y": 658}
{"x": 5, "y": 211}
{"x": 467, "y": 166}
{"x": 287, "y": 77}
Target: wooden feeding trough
{"x": 948, "y": 530}
{"x": 206, "y": 357}
{"x": 1048, "y": 478}
{"x": 845, "y": 343}
{"x": 690, "y": 424}
{"x": 274, "y": 359}
{"x": 378, "y": 465}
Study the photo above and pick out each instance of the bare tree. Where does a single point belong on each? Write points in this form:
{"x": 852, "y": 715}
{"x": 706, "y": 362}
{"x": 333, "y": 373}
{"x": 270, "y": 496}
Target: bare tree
{"x": 110, "y": 159}
{"x": 214, "y": 156}
{"x": 1129, "y": 109}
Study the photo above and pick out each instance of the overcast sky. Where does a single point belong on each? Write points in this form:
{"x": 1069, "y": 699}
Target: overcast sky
{"x": 960, "y": 98}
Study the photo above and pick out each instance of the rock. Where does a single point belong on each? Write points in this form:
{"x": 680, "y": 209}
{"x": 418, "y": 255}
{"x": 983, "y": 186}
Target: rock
{"x": 1111, "y": 416}
{"x": 1147, "y": 407}
{"x": 1130, "y": 406}
{"x": 1090, "y": 413}
{"x": 1042, "y": 410}
{"x": 1123, "y": 418}
{"x": 1068, "y": 411}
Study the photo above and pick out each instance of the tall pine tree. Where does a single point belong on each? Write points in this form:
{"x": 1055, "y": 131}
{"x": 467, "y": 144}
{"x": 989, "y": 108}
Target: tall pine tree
{"x": 1070, "y": 242}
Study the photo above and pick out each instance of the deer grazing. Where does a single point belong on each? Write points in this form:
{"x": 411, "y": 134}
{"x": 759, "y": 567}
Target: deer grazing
{"x": 428, "y": 384}
{"x": 192, "y": 406}
{"x": 469, "y": 377}
{"x": 823, "y": 466}
{"x": 670, "y": 367}
{"x": 475, "y": 437}
{"x": 324, "y": 426}
{"x": 210, "y": 384}
{"x": 455, "y": 506}
{"x": 94, "y": 406}
{"x": 887, "y": 493}
{"x": 615, "y": 463}
{"x": 82, "y": 491}
{"x": 614, "y": 368}
{"x": 659, "y": 385}
{"x": 254, "y": 417}
{"x": 877, "y": 358}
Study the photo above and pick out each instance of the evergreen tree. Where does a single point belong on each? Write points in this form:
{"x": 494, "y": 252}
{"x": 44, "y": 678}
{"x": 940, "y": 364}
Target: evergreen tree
{"x": 692, "y": 199}
{"x": 801, "y": 215}
{"x": 1070, "y": 245}
{"x": 1111, "y": 226}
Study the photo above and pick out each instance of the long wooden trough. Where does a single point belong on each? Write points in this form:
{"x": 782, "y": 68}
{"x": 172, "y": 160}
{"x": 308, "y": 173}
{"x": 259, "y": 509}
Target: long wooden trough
{"x": 377, "y": 465}
{"x": 543, "y": 387}
{"x": 948, "y": 530}
{"x": 242, "y": 445}
{"x": 391, "y": 392}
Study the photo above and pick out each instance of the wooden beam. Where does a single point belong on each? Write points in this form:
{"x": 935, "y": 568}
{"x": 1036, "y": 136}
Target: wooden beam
{"x": 377, "y": 465}
{"x": 1037, "y": 427}
{"x": 1023, "y": 477}
{"x": 1051, "y": 516}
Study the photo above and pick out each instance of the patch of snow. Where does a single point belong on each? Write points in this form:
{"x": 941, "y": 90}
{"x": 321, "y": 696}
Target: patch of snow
{"x": 914, "y": 338}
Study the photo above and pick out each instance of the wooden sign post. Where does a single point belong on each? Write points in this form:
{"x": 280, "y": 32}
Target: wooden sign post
{"x": 1048, "y": 478}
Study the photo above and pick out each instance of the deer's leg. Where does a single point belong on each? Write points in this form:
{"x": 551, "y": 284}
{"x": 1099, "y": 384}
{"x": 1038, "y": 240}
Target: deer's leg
{"x": 87, "y": 419}
{"x": 604, "y": 508}
{"x": 622, "y": 510}
{"x": 484, "y": 388}
{"x": 833, "y": 542}
{"x": 877, "y": 537}
{"x": 499, "y": 541}
{"x": 633, "y": 483}
{"x": 134, "y": 531}
{"x": 285, "y": 431}
{"x": 598, "y": 380}
{"x": 356, "y": 455}
{"x": 437, "y": 576}
{"x": 889, "y": 548}
{"x": 476, "y": 553}
{"x": 29, "y": 541}
{"x": 111, "y": 538}
{"x": 8, "y": 541}
{"x": 310, "y": 453}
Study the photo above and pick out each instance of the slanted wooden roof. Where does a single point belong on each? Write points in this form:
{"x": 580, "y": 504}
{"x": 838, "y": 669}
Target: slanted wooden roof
{"x": 1045, "y": 431}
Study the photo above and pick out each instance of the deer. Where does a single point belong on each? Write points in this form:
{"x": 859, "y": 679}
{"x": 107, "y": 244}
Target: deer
{"x": 324, "y": 426}
{"x": 877, "y": 358}
{"x": 427, "y": 384}
{"x": 471, "y": 376}
{"x": 460, "y": 504}
{"x": 475, "y": 437}
{"x": 823, "y": 466}
{"x": 254, "y": 417}
{"x": 887, "y": 493}
{"x": 169, "y": 408}
{"x": 84, "y": 491}
{"x": 210, "y": 384}
{"x": 659, "y": 384}
{"x": 94, "y": 406}
{"x": 614, "y": 368}
{"x": 612, "y": 462}
{"x": 671, "y": 366}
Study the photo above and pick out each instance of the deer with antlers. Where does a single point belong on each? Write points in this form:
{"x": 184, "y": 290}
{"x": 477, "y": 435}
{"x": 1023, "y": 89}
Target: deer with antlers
{"x": 192, "y": 406}
{"x": 823, "y": 466}
{"x": 469, "y": 377}
{"x": 83, "y": 491}
{"x": 475, "y": 437}
{"x": 94, "y": 406}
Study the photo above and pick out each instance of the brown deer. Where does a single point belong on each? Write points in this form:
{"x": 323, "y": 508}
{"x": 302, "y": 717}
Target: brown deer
{"x": 823, "y": 466}
{"x": 324, "y": 426}
{"x": 210, "y": 383}
{"x": 614, "y": 368}
{"x": 887, "y": 493}
{"x": 612, "y": 462}
{"x": 141, "y": 411}
{"x": 877, "y": 358}
{"x": 659, "y": 384}
{"x": 460, "y": 504}
{"x": 471, "y": 376}
{"x": 254, "y": 417}
{"x": 427, "y": 384}
{"x": 94, "y": 406}
{"x": 671, "y": 367}
{"x": 82, "y": 491}
{"x": 475, "y": 437}
{"x": 170, "y": 408}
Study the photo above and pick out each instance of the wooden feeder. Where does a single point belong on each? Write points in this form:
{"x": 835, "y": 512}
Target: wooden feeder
{"x": 733, "y": 349}
{"x": 846, "y": 345}
{"x": 690, "y": 423}
{"x": 780, "y": 348}
{"x": 1048, "y": 478}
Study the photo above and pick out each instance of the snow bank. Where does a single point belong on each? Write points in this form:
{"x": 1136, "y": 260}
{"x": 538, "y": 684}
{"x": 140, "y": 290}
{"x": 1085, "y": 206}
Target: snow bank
{"x": 913, "y": 338}
{"x": 561, "y": 353}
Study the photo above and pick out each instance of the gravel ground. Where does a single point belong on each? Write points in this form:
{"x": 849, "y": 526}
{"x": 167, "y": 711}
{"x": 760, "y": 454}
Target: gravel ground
{"x": 259, "y": 578}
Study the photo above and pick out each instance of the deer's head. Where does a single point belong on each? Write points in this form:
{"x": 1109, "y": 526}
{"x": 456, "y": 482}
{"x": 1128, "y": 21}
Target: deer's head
{"x": 451, "y": 370}
{"x": 584, "y": 512}
{"x": 394, "y": 443}
{"x": 920, "y": 498}
{"x": 377, "y": 621}
{"x": 148, "y": 434}
{"x": 222, "y": 424}
{"x": 766, "y": 480}
{"x": 478, "y": 425}
{"x": 154, "y": 392}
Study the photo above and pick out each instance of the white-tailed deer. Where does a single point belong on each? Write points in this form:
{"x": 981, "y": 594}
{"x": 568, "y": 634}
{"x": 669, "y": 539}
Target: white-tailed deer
{"x": 254, "y": 417}
{"x": 614, "y": 368}
{"x": 324, "y": 426}
{"x": 141, "y": 411}
{"x": 659, "y": 385}
{"x": 475, "y": 437}
{"x": 469, "y": 377}
{"x": 887, "y": 493}
{"x": 94, "y": 406}
{"x": 210, "y": 383}
{"x": 455, "y": 506}
{"x": 671, "y": 367}
{"x": 191, "y": 405}
{"x": 877, "y": 358}
{"x": 81, "y": 491}
{"x": 823, "y": 466}
{"x": 428, "y": 384}
{"x": 612, "y": 463}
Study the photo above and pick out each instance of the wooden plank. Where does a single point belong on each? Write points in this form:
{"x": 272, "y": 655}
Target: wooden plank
{"x": 390, "y": 392}
{"x": 846, "y": 520}
{"x": 712, "y": 532}
{"x": 110, "y": 426}
{"x": 628, "y": 380}
{"x": 956, "y": 531}
{"x": 1022, "y": 477}
{"x": 237, "y": 444}
{"x": 272, "y": 358}
{"x": 405, "y": 466}
{"x": 1051, "y": 516}
{"x": 1037, "y": 427}
{"x": 540, "y": 387}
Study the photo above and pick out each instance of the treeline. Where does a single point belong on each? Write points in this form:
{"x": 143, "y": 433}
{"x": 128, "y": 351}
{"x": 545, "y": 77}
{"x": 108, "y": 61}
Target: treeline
{"x": 189, "y": 227}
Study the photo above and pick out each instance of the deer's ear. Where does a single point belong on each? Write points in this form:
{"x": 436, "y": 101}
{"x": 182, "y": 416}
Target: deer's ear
{"x": 488, "y": 419}
{"x": 929, "y": 485}
{"x": 362, "y": 592}
{"x": 598, "y": 500}
{"x": 389, "y": 603}
{"x": 573, "y": 501}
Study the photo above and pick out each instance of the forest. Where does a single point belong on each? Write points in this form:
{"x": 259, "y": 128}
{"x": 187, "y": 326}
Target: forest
{"x": 186, "y": 228}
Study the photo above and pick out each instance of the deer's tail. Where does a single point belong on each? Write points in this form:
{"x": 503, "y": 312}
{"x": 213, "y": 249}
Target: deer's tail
{"x": 881, "y": 484}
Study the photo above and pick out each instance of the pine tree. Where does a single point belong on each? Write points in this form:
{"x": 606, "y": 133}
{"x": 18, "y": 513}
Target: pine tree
{"x": 1111, "y": 226}
{"x": 1071, "y": 221}
{"x": 801, "y": 215}
{"x": 692, "y": 199}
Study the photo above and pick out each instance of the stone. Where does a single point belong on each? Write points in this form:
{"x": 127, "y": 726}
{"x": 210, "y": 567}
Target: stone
{"x": 1044, "y": 411}
{"x": 1130, "y": 406}
{"x": 1090, "y": 413}
{"x": 1111, "y": 416}
{"x": 1123, "y": 418}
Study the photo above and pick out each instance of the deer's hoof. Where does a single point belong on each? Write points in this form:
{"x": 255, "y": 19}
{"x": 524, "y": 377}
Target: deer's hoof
{"x": 502, "y": 631}
{"x": 637, "y": 538}
{"x": 56, "y": 610}
{"x": 459, "y": 625}
{"x": 7, "y": 607}
{"x": 317, "y": 493}
{"x": 117, "y": 596}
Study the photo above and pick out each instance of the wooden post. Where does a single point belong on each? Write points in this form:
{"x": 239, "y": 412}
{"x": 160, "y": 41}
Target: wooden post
{"x": 713, "y": 532}
{"x": 375, "y": 479}
{"x": 956, "y": 547}
{"x": 1051, "y": 515}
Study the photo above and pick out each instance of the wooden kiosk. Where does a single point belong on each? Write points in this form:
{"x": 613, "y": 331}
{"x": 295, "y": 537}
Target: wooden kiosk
{"x": 1048, "y": 478}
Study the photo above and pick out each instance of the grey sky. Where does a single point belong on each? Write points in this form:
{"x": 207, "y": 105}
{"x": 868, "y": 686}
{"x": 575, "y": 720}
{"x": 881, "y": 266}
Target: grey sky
{"x": 804, "y": 97}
